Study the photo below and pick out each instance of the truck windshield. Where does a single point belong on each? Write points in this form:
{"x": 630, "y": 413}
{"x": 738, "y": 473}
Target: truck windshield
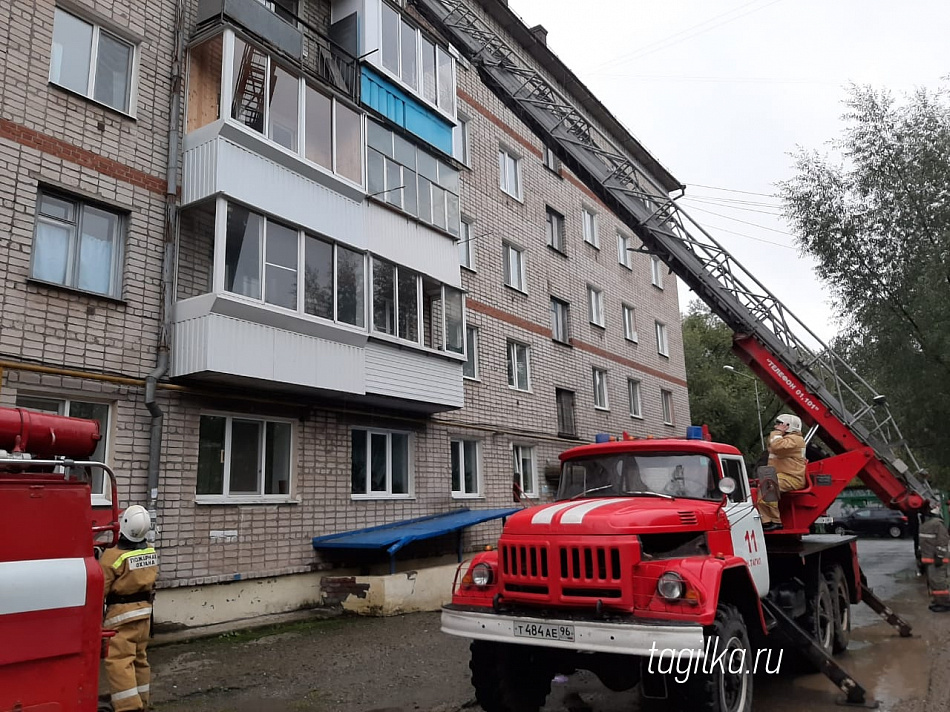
{"x": 629, "y": 474}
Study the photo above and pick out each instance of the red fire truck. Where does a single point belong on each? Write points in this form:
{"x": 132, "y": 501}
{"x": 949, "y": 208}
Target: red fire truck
{"x": 51, "y": 584}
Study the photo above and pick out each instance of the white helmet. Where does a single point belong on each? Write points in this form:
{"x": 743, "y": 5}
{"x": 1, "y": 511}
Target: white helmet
{"x": 793, "y": 422}
{"x": 135, "y": 523}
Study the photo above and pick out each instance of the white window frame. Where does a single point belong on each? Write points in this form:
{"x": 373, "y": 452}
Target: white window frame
{"x": 462, "y": 139}
{"x": 554, "y": 226}
{"x": 509, "y": 250}
{"x": 662, "y": 339}
{"x": 656, "y": 272}
{"x": 590, "y": 229}
{"x": 410, "y": 465}
{"x": 467, "y": 245}
{"x": 624, "y": 256}
{"x": 515, "y": 349}
{"x": 560, "y": 320}
{"x": 600, "y": 383}
{"x": 630, "y": 323}
{"x": 595, "y": 306}
{"x": 557, "y": 408}
{"x": 634, "y": 388}
{"x": 226, "y": 497}
{"x": 518, "y": 452}
{"x": 471, "y": 354}
{"x": 459, "y": 445}
{"x": 509, "y": 169}
{"x": 551, "y": 161}
{"x": 666, "y": 403}
{"x": 97, "y": 31}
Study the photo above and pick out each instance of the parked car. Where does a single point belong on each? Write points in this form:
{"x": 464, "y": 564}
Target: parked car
{"x": 876, "y": 521}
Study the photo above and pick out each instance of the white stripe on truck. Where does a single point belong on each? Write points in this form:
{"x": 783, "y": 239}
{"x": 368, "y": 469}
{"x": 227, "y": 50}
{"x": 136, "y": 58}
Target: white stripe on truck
{"x": 42, "y": 585}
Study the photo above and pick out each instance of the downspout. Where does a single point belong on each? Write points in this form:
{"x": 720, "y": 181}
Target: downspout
{"x": 168, "y": 263}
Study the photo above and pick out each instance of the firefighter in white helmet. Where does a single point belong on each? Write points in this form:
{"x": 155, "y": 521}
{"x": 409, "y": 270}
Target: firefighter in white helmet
{"x": 130, "y": 571}
{"x": 935, "y": 555}
{"x": 787, "y": 456}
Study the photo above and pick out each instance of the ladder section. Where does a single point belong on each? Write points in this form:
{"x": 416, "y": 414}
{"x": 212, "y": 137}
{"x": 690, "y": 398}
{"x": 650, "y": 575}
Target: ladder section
{"x": 665, "y": 229}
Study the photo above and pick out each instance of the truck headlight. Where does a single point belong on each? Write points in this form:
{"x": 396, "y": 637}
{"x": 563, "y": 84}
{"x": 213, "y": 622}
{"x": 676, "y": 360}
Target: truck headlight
{"x": 481, "y": 574}
{"x": 671, "y": 586}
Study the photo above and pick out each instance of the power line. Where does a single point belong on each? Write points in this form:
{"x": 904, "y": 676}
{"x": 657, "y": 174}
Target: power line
{"x": 732, "y": 206}
{"x": 732, "y": 190}
{"x": 751, "y": 237}
{"x": 732, "y": 201}
{"x": 744, "y": 222}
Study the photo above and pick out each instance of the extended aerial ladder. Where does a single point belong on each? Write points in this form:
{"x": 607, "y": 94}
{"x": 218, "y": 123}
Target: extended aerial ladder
{"x": 808, "y": 375}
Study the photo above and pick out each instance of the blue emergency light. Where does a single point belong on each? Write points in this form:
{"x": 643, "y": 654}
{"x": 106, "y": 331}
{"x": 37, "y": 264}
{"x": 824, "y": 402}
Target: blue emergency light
{"x": 694, "y": 432}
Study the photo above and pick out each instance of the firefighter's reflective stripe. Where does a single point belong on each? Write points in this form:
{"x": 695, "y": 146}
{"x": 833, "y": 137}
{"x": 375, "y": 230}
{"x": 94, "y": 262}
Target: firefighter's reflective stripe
{"x": 142, "y": 688}
{"x": 125, "y": 694}
{"x": 149, "y": 552}
{"x": 143, "y": 612}
{"x": 927, "y": 536}
{"x": 42, "y": 585}
{"x": 926, "y": 560}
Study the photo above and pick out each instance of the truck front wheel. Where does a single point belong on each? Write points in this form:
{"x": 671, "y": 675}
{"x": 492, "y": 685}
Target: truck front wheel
{"x": 723, "y": 682}
{"x": 510, "y": 678}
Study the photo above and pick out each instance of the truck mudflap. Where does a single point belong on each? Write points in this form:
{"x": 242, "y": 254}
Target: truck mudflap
{"x": 627, "y": 638}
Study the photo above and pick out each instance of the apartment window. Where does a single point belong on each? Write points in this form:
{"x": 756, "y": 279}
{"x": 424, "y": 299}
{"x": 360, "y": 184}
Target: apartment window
{"x": 666, "y": 400}
{"x": 519, "y": 366}
{"x": 662, "y": 347}
{"x": 624, "y": 256}
{"x": 90, "y": 61}
{"x": 509, "y": 168}
{"x": 100, "y": 412}
{"x": 78, "y": 244}
{"x": 589, "y": 223}
{"x": 656, "y": 271}
{"x": 409, "y": 178}
{"x": 560, "y": 324}
{"x": 381, "y": 465}
{"x": 600, "y": 389}
{"x": 551, "y": 162}
{"x": 514, "y": 267}
{"x": 470, "y": 368}
{"x": 462, "y": 140}
{"x": 524, "y": 469}
{"x": 595, "y": 304}
{"x": 242, "y": 457}
{"x": 454, "y": 306}
{"x": 466, "y": 246}
{"x": 284, "y": 9}
{"x": 565, "y": 412}
{"x": 629, "y": 323}
{"x": 465, "y": 475}
{"x": 555, "y": 230}
{"x": 633, "y": 390}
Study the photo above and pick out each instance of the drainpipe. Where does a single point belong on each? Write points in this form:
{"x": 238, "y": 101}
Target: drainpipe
{"x": 168, "y": 262}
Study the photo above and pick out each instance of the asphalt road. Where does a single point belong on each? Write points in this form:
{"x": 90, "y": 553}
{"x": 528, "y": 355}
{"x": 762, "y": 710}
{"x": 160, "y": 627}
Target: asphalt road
{"x": 406, "y": 664}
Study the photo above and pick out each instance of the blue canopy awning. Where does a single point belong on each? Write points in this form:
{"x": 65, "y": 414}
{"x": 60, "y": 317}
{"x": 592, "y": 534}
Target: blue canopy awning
{"x": 395, "y": 536}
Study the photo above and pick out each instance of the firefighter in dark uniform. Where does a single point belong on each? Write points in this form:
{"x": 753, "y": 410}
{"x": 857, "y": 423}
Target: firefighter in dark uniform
{"x": 935, "y": 556}
{"x": 130, "y": 571}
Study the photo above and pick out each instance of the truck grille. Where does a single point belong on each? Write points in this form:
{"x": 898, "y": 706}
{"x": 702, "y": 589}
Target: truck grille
{"x": 587, "y": 571}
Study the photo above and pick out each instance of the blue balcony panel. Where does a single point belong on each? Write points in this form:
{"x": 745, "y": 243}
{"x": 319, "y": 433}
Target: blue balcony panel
{"x": 404, "y": 110}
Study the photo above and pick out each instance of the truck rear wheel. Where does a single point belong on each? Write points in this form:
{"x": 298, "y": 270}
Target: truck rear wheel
{"x": 715, "y": 687}
{"x": 819, "y": 618}
{"x": 841, "y": 603}
{"x": 510, "y": 678}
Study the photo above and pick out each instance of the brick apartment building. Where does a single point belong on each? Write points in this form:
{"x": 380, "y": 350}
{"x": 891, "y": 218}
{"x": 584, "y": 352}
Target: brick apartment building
{"x": 306, "y": 293}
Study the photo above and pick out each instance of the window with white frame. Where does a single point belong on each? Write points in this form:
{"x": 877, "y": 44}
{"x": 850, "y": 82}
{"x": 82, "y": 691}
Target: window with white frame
{"x": 656, "y": 271}
{"x": 465, "y": 470}
{"x": 411, "y": 179}
{"x": 513, "y": 258}
{"x": 629, "y": 323}
{"x": 470, "y": 367}
{"x": 524, "y": 470}
{"x": 381, "y": 464}
{"x": 666, "y": 400}
{"x": 555, "y": 230}
{"x": 509, "y": 171}
{"x": 600, "y": 389}
{"x": 589, "y": 223}
{"x": 80, "y": 408}
{"x": 551, "y": 162}
{"x": 78, "y": 244}
{"x": 624, "y": 256}
{"x": 595, "y": 304}
{"x": 466, "y": 245}
{"x": 462, "y": 140}
{"x": 633, "y": 391}
{"x": 565, "y": 412}
{"x": 244, "y": 457}
{"x": 519, "y": 366}
{"x": 89, "y": 60}
{"x": 560, "y": 320}
{"x": 662, "y": 347}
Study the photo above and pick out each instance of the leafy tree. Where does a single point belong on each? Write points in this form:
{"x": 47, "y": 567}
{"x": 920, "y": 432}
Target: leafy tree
{"x": 877, "y": 221}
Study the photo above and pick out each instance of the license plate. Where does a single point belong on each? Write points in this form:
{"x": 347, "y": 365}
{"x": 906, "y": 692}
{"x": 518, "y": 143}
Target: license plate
{"x": 544, "y": 631}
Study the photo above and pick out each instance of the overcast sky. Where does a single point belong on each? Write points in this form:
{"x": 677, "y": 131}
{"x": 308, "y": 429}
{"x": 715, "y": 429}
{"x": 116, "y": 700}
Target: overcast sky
{"x": 722, "y": 91}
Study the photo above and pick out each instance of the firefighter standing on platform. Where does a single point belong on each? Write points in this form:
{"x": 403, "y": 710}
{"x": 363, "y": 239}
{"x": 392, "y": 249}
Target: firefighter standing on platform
{"x": 787, "y": 456}
{"x": 934, "y": 554}
{"x": 130, "y": 571}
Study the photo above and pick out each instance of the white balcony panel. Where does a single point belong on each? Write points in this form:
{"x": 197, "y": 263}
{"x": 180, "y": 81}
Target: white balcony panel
{"x": 198, "y": 172}
{"x": 403, "y": 240}
{"x": 413, "y": 375}
{"x": 219, "y": 344}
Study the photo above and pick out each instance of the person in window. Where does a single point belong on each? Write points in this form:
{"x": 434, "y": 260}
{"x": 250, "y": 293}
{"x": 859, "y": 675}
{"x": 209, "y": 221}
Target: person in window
{"x": 787, "y": 456}
{"x": 934, "y": 544}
